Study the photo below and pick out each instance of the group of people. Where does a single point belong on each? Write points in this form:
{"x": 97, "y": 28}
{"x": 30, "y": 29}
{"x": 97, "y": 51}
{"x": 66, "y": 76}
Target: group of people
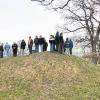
{"x": 40, "y": 46}
{"x": 56, "y": 42}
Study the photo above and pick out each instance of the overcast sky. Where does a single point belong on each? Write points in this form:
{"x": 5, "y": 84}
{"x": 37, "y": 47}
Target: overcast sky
{"x": 22, "y": 18}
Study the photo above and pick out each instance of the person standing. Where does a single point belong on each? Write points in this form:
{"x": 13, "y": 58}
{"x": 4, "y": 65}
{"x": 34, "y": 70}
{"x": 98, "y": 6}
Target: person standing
{"x": 36, "y": 42}
{"x": 70, "y": 46}
{"x": 66, "y": 46}
{"x": 30, "y": 44}
{"x": 7, "y": 49}
{"x": 61, "y": 43}
{"x": 45, "y": 45}
{"x": 57, "y": 41}
{"x": 41, "y": 42}
{"x": 52, "y": 43}
{"x": 1, "y": 50}
{"x": 14, "y": 49}
{"x": 22, "y": 46}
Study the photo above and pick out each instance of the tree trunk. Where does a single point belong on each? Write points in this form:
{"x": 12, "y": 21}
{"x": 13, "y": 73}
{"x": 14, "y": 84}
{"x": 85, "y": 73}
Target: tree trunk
{"x": 99, "y": 52}
{"x": 94, "y": 54}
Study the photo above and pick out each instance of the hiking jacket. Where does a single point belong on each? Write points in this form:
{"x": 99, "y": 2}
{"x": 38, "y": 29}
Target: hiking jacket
{"x": 7, "y": 46}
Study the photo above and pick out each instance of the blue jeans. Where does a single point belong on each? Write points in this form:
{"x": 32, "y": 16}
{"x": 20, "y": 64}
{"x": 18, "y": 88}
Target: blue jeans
{"x": 22, "y": 52}
{"x": 51, "y": 47}
{"x": 7, "y": 52}
{"x": 41, "y": 48}
{"x": 37, "y": 48}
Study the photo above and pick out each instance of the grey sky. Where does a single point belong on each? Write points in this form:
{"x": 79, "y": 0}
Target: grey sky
{"x": 21, "y": 18}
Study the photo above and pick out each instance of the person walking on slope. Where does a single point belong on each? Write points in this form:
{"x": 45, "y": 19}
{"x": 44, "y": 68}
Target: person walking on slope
{"x": 36, "y": 42}
{"x": 30, "y": 44}
{"x": 14, "y": 49}
{"x": 1, "y": 50}
{"x": 23, "y": 45}
{"x": 7, "y": 49}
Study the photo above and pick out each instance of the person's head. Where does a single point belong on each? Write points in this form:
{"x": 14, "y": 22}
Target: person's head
{"x": 57, "y": 33}
{"x": 29, "y": 37}
{"x": 14, "y": 42}
{"x": 61, "y": 34}
{"x": 36, "y": 36}
{"x": 6, "y": 42}
{"x": 66, "y": 39}
{"x": 40, "y": 36}
{"x": 23, "y": 40}
{"x": 50, "y": 36}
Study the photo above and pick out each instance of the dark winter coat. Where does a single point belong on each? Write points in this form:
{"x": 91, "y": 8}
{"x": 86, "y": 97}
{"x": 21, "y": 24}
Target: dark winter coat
{"x": 36, "y": 41}
{"x": 45, "y": 45}
{"x": 57, "y": 38}
{"x": 14, "y": 47}
{"x": 61, "y": 39}
{"x": 1, "y": 51}
{"x": 66, "y": 44}
{"x": 23, "y": 44}
{"x": 41, "y": 41}
{"x": 70, "y": 44}
{"x": 1, "y": 48}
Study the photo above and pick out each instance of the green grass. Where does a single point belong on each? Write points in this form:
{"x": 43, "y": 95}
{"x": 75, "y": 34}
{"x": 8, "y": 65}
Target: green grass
{"x": 48, "y": 76}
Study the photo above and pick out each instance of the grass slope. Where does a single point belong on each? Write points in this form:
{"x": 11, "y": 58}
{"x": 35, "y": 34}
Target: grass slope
{"x": 48, "y": 76}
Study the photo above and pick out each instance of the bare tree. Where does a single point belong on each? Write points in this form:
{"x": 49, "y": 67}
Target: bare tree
{"x": 80, "y": 16}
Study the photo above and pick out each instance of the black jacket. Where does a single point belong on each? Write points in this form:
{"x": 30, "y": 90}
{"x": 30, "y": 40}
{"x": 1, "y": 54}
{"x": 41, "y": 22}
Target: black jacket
{"x": 41, "y": 41}
{"x": 36, "y": 41}
{"x": 14, "y": 47}
{"x": 23, "y": 44}
{"x": 1, "y": 48}
{"x": 61, "y": 40}
{"x": 57, "y": 40}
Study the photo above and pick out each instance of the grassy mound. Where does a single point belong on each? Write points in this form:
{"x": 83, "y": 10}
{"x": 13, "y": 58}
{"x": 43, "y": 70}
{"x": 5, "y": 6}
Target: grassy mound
{"x": 48, "y": 76}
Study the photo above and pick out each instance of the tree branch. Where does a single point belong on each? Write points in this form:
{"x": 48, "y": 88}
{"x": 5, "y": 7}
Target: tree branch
{"x": 62, "y": 7}
{"x": 43, "y": 2}
{"x": 74, "y": 30}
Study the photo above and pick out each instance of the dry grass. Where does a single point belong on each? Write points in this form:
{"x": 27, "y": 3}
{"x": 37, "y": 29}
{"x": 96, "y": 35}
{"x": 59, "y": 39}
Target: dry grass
{"x": 48, "y": 76}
